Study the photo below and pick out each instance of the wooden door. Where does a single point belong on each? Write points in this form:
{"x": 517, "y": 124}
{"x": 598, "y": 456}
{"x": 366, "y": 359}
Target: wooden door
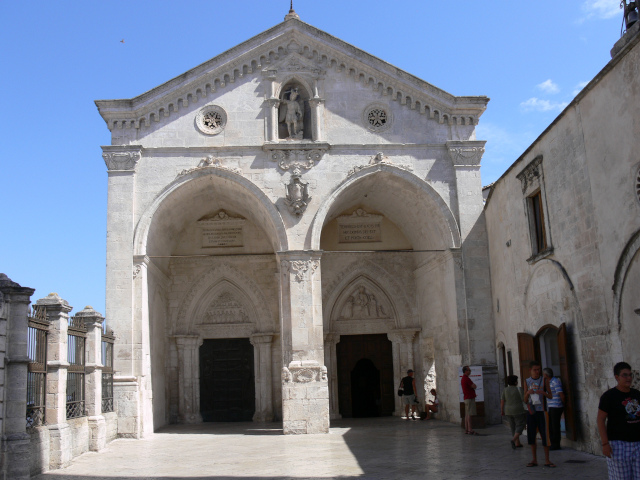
{"x": 364, "y": 360}
{"x": 227, "y": 385}
{"x": 526, "y": 354}
{"x": 566, "y": 382}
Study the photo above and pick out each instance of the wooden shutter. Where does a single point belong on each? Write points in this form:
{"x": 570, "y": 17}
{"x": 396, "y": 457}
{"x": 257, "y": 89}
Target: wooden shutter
{"x": 566, "y": 382}
{"x": 526, "y": 354}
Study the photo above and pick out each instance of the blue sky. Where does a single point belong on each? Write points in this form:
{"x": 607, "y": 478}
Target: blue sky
{"x": 57, "y": 57}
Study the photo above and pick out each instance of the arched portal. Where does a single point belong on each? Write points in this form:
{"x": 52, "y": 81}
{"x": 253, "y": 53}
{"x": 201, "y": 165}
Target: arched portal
{"x": 208, "y": 241}
{"x": 390, "y": 244}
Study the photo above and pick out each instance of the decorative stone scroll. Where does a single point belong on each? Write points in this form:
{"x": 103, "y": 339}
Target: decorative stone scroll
{"x": 531, "y": 174}
{"x": 209, "y": 162}
{"x": 378, "y": 159}
{"x": 359, "y": 227}
{"x": 299, "y": 268}
{"x": 222, "y": 230}
{"x": 296, "y": 157}
{"x": 121, "y": 159}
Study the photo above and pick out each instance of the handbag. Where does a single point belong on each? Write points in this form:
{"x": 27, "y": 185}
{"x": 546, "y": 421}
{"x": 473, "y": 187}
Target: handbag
{"x": 400, "y": 390}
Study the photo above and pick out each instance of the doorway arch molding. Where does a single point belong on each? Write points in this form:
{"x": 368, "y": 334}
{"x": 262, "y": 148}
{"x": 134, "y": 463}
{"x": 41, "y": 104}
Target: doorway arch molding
{"x": 429, "y": 201}
{"x": 204, "y": 288}
{"x": 383, "y": 281}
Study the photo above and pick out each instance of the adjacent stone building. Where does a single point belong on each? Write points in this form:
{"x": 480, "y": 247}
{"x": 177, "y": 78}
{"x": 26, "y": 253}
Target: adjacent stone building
{"x": 291, "y": 226}
{"x": 564, "y": 234}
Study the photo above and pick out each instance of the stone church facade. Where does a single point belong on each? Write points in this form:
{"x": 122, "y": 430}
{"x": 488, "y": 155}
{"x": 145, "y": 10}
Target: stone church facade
{"x": 291, "y": 226}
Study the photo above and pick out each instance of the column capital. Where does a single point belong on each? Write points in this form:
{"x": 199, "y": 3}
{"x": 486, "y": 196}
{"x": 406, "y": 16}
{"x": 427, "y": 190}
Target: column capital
{"x": 9, "y": 287}
{"x": 402, "y": 335}
{"x": 466, "y": 153}
{"x": 187, "y": 340}
{"x": 54, "y": 304}
{"x": 121, "y": 157}
{"x": 332, "y": 337}
{"x": 261, "y": 338}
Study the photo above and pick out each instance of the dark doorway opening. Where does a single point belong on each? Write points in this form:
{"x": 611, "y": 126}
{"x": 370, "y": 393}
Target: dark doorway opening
{"x": 365, "y": 389}
{"x": 365, "y": 376}
{"x": 227, "y": 386}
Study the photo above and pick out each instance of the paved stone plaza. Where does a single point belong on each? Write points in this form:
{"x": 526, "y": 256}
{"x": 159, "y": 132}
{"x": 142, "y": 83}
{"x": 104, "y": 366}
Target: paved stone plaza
{"x": 363, "y": 448}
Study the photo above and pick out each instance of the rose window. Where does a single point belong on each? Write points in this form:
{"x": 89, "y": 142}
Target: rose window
{"x": 211, "y": 120}
{"x": 377, "y": 117}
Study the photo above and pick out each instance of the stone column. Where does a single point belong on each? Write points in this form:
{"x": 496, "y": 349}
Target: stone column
{"x": 188, "y": 378}
{"x": 272, "y": 119}
{"x": 331, "y": 340}
{"x": 305, "y": 391}
{"x": 93, "y": 321}
{"x": 142, "y": 349}
{"x": 402, "y": 349}
{"x": 317, "y": 114}
{"x": 14, "y": 453}
{"x": 264, "y": 378}
{"x": 121, "y": 162}
{"x": 57, "y": 366}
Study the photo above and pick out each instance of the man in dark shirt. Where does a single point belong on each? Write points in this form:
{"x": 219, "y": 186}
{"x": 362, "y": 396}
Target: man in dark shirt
{"x": 619, "y": 425}
{"x": 409, "y": 394}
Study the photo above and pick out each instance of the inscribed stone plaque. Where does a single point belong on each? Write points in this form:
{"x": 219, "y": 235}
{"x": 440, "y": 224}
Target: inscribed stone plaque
{"x": 221, "y": 230}
{"x": 359, "y": 227}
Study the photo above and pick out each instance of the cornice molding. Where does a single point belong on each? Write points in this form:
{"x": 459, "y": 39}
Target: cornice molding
{"x": 274, "y": 45}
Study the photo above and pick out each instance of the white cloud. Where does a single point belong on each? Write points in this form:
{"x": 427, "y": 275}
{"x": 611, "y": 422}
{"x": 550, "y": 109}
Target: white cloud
{"x": 548, "y": 87}
{"x": 578, "y": 88}
{"x": 601, "y": 9}
{"x": 538, "y": 105}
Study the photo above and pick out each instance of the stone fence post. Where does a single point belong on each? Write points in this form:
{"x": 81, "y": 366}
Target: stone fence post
{"x": 57, "y": 366}
{"x": 93, "y": 321}
{"x": 14, "y": 324}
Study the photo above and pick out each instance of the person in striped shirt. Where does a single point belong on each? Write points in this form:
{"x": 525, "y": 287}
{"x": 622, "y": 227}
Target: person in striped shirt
{"x": 555, "y": 407}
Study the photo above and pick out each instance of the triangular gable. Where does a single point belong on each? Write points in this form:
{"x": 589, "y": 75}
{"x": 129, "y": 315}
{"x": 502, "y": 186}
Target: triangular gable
{"x": 289, "y": 45}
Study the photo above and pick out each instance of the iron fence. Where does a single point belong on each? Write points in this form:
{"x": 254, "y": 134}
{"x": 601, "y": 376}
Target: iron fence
{"x": 38, "y": 329}
{"x": 77, "y": 334}
{"x": 108, "y": 340}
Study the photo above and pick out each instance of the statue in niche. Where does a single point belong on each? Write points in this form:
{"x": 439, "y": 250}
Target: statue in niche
{"x": 292, "y": 114}
{"x": 363, "y": 304}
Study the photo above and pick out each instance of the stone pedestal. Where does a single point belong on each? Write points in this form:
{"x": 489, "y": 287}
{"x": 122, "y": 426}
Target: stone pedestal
{"x": 14, "y": 304}
{"x": 305, "y": 390}
{"x": 57, "y": 366}
{"x": 93, "y": 378}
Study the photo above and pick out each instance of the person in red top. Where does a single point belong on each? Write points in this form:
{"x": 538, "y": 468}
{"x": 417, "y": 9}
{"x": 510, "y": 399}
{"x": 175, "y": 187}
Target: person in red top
{"x": 469, "y": 391}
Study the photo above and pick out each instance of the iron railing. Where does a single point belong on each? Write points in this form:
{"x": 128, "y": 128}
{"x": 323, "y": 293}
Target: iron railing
{"x": 108, "y": 340}
{"x": 38, "y": 329}
{"x": 77, "y": 334}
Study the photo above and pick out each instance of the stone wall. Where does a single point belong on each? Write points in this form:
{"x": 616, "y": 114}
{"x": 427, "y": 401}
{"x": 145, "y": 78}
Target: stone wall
{"x": 585, "y": 166}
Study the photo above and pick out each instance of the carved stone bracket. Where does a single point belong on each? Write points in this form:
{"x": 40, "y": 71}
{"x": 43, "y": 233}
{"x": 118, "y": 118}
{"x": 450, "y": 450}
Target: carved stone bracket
{"x": 378, "y": 159}
{"x": 531, "y": 174}
{"x": 121, "y": 158}
{"x": 304, "y": 372}
{"x": 209, "y": 162}
{"x": 299, "y": 268}
{"x": 296, "y": 156}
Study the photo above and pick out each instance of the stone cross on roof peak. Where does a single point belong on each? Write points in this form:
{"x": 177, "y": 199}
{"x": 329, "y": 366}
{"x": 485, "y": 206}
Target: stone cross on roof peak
{"x": 292, "y": 13}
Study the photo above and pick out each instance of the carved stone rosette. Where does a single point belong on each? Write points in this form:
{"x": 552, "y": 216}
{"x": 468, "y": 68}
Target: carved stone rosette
{"x": 299, "y": 268}
{"x": 121, "y": 158}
